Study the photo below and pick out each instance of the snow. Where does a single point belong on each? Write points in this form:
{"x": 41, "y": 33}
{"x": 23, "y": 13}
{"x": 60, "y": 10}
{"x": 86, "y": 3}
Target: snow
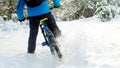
{"x": 1, "y": 21}
{"x": 86, "y": 43}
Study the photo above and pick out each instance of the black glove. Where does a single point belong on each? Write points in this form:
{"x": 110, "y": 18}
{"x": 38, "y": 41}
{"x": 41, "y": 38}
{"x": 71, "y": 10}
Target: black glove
{"x": 22, "y": 20}
{"x": 56, "y": 6}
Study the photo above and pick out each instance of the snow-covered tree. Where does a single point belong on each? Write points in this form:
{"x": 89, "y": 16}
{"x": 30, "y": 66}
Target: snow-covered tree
{"x": 7, "y": 8}
{"x": 106, "y": 9}
{"x": 74, "y": 9}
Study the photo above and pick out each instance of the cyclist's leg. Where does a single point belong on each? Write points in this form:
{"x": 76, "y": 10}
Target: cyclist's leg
{"x": 34, "y": 26}
{"x": 52, "y": 25}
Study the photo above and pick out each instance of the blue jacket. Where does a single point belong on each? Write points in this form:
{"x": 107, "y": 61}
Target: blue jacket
{"x": 43, "y": 8}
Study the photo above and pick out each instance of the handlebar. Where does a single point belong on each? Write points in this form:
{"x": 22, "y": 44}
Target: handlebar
{"x": 52, "y": 7}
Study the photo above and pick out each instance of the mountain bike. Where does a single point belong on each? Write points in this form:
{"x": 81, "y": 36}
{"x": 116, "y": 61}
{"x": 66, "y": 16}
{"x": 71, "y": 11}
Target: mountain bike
{"x": 50, "y": 40}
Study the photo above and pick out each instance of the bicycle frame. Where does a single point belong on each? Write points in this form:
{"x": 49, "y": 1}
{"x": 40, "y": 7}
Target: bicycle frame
{"x": 43, "y": 26}
{"x": 49, "y": 38}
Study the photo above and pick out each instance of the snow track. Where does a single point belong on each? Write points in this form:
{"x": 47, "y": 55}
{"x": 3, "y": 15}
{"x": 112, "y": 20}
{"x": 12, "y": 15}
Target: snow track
{"x": 86, "y": 43}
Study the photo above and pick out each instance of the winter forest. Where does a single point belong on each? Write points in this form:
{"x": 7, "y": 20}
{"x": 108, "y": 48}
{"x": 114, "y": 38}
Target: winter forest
{"x": 72, "y": 9}
{"x": 90, "y": 36}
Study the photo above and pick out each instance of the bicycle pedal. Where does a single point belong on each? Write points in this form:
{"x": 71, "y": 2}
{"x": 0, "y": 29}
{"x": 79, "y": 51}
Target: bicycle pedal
{"x": 44, "y": 44}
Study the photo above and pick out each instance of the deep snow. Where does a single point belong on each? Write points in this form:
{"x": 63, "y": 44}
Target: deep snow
{"x": 86, "y": 43}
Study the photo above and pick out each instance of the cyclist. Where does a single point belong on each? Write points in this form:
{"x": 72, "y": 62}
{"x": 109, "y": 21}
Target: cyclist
{"x": 35, "y": 14}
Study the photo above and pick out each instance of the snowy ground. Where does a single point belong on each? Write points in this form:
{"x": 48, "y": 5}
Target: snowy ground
{"x": 86, "y": 43}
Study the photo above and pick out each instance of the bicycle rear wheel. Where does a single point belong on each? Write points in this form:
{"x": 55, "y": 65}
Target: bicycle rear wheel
{"x": 58, "y": 51}
{"x": 52, "y": 43}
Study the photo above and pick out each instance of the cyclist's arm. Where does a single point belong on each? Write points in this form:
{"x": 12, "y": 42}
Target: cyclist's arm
{"x": 56, "y": 3}
{"x": 19, "y": 9}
